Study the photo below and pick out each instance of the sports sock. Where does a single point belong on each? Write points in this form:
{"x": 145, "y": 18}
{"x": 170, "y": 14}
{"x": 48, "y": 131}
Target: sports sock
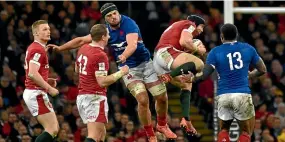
{"x": 244, "y": 137}
{"x": 185, "y": 97}
{"x": 161, "y": 120}
{"x": 44, "y": 137}
{"x": 149, "y": 130}
{"x": 223, "y": 136}
{"x": 183, "y": 69}
{"x": 89, "y": 140}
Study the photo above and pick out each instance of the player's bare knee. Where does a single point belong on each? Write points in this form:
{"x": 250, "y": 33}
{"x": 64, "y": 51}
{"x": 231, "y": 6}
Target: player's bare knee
{"x": 143, "y": 101}
{"x": 161, "y": 98}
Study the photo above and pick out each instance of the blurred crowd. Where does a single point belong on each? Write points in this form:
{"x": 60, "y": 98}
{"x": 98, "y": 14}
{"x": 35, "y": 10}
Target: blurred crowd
{"x": 68, "y": 20}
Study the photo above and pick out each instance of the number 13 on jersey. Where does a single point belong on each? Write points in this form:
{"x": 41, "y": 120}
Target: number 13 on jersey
{"x": 235, "y": 56}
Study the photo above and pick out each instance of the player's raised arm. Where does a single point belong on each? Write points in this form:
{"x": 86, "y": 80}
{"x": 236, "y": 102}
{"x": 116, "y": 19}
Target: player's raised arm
{"x": 74, "y": 43}
{"x": 105, "y": 81}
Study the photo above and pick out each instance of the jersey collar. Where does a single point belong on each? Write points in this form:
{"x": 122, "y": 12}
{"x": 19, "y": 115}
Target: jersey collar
{"x": 43, "y": 45}
{"x": 96, "y": 45}
{"x": 230, "y": 42}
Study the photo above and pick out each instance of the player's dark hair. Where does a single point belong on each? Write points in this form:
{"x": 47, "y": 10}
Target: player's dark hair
{"x": 229, "y": 31}
{"x": 97, "y": 31}
{"x": 196, "y": 19}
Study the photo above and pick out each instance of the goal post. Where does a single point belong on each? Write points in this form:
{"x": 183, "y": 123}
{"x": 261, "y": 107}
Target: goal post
{"x": 229, "y": 11}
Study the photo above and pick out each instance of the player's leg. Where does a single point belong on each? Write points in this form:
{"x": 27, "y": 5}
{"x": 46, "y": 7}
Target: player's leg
{"x": 93, "y": 109}
{"x": 135, "y": 85}
{"x": 245, "y": 115}
{"x": 225, "y": 114}
{"x": 223, "y": 135}
{"x": 158, "y": 91}
{"x": 50, "y": 124}
{"x": 185, "y": 98}
{"x": 138, "y": 90}
{"x": 38, "y": 103}
{"x": 185, "y": 63}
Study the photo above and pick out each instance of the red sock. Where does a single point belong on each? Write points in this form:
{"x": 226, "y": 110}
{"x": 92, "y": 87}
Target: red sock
{"x": 244, "y": 137}
{"x": 161, "y": 120}
{"x": 149, "y": 130}
{"x": 223, "y": 136}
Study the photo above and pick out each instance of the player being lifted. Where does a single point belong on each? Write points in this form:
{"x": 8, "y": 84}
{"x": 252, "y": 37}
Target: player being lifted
{"x": 174, "y": 55}
{"x": 92, "y": 65}
{"x": 232, "y": 60}
{"x": 38, "y": 84}
{"x": 126, "y": 41}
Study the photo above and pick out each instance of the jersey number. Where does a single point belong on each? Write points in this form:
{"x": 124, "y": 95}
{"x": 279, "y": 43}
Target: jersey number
{"x": 82, "y": 70}
{"x": 236, "y": 55}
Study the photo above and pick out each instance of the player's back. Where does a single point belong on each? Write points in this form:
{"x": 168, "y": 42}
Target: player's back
{"x": 232, "y": 62}
{"x": 89, "y": 60}
{"x": 171, "y": 35}
{"x": 36, "y": 54}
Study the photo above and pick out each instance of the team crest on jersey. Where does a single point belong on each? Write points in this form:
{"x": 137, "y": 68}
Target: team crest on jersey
{"x": 102, "y": 66}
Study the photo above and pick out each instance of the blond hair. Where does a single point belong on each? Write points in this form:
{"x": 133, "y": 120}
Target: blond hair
{"x": 36, "y": 25}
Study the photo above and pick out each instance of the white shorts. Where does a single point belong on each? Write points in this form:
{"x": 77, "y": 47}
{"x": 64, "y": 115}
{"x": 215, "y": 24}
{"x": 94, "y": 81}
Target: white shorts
{"x": 235, "y": 105}
{"x": 37, "y": 101}
{"x": 163, "y": 59}
{"x": 92, "y": 108}
{"x": 143, "y": 72}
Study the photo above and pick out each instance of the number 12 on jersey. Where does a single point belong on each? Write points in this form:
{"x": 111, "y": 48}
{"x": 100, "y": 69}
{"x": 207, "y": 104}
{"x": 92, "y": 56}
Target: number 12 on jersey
{"x": 236, "y": 56}
{"x": 82, "y": 70}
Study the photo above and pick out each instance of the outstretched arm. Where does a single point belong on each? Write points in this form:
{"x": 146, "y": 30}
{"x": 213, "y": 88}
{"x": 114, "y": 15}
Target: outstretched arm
{"x": 74, "y": 43}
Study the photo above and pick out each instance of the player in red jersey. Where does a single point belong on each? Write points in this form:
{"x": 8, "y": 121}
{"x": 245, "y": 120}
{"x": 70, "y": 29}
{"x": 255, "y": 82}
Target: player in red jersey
{"x": 174, "y": 56}
{"x": 92, "y": 65}
{"x": 38, "y": 84}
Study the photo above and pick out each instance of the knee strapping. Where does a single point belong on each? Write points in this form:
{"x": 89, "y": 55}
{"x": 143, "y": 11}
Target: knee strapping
{"x": 157, "y": 89}
{"x": 137, "y": 88}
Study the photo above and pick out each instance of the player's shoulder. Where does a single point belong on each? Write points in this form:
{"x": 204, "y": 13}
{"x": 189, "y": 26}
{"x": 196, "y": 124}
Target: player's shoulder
{"x": 244, "y": 44}
{"x": 127, "y": 20}
{"x": 35, "y": 47}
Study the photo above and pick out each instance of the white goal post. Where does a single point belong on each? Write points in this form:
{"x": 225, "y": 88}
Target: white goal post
{"x": 229, "y": 11}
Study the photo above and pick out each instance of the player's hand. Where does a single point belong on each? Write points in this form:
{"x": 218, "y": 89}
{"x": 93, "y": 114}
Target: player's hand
{"x": 187, "y": 78}
{"x": 54, "y": 47}
{"x": 125, "y": 69}
{"x": 53, "y": 92}
{"x": 122, "y": 58}
{"x": 52, "y": 82}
